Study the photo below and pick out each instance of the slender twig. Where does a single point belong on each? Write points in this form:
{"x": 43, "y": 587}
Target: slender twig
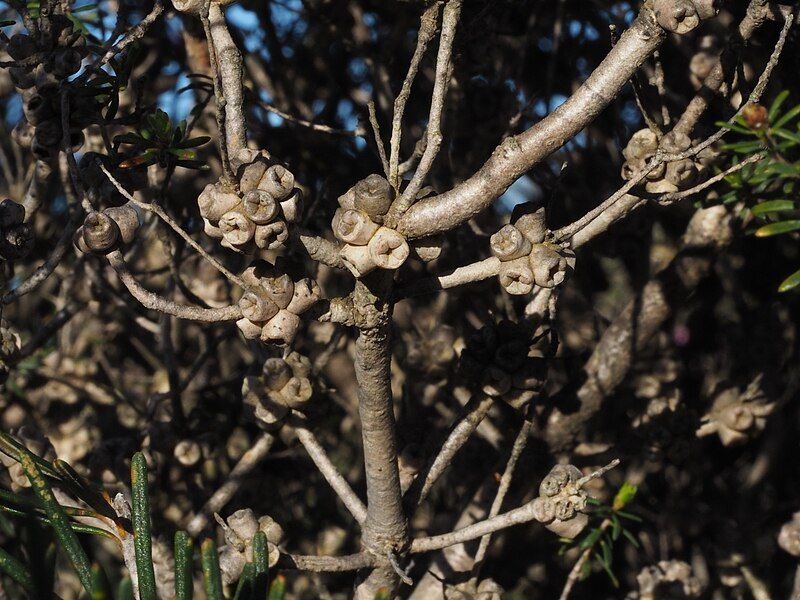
{"x": 135, "y": 33}
{"x": 477, "y": 271}
{"x": 317, "y": 453}
{"x": 157, "y": 210}
{"x": 158, "y": 303}
{"x": 357, "y": 132}
{"x": 505, "y": 482}
{"x": 450, "y": 16}
{"x": 427, "y": 29}
{"x": 472, "y": 415}
{"x": 376, "y": 130}
{"x": 249, "y": 461}
{"x": 517, "y": 516}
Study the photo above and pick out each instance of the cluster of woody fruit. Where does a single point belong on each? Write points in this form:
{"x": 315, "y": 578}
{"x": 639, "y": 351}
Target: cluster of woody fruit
{"x": 527, "y": 257}
{"x": 254, "y": 213}
{"x": 284, "y": 385}
{"x": 42, "y": 61}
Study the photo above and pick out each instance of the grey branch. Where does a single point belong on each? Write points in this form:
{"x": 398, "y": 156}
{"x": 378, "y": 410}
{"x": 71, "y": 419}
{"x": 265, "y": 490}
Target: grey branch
{"x": 517, "y": 154}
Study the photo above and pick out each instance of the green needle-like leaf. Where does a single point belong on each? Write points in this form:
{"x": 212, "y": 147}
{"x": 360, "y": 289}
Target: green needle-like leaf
{"x": 244, "y": 590}
{"x": 212, "y": 579}
{"x": 772, "y": 206}
{"x": 277, "y": 591}
{"x": 102, "y": 587}
{"x": 778, "y": 228}
{"x": 59, "y": 521}
{"x": 16, "y": 571}
{"x": 261, "y": 564}
{"x": 142, "y": 542}
{"x": 383, "y": 594}
{"x": 791, "y": 282}
{"x": 183, "y": 566}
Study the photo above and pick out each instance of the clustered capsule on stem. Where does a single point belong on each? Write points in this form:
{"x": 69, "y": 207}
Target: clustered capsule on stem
{"x": 42, "y": 63}
{"x": 668, "y": 579}
{"x": 501, "y": 362}
{"x": 358, "y": 222}
{"x": 106, "y": 230}
{"x": 283, "y": 386}
{"x": 527, "y": 258}
{"x": 256, "y": 215}
{"x": 682, "y": 16}
{"x": 240, "y": 528}
{"x": 16, "y": 236}
{"x": 667, "y": 177}
{"x": 561, "y": 502}
{"x": 272, "y": 303}
{"x": 10, "y": 345}
{"x": 737, "y": 416}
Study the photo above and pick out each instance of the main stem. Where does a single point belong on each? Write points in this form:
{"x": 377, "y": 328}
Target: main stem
{"x": 385, "y": 530}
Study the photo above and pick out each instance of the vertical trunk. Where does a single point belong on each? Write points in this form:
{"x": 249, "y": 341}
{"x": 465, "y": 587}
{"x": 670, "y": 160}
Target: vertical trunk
{"x": 386, "y": 528}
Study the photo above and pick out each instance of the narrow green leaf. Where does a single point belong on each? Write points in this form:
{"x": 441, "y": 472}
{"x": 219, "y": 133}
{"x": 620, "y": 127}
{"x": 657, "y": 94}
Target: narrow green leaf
{"x": 277, "y": 591}
{"x": 590, "y": 539}
{"x": 244, "y": 590}
{"x": 776, "y": 104}
{"x": 586, "y": 569}
{"x": 125, "y": 590}
{"x": 771, "y": 206}
{"x": 778, "y": 228}
{"x": 142, "y": 542}
{"x": 84, "y": 489}
{"x": 616, "y": 528}
{"x": 791, "y": 282}
{"x": 790, "y": 115}
{"x": 261, "y": 565}
{"x": 16, "y": 571}
{"x": 383, "y": 594}
{"x": 788, "y": 135}
{"x": 629, "y": 516}
{"x": 734, "y": 127}
{"x": 605, "y": 549}
{"x": 10, "y": 446}
{"x": 102, "y": 587}
{"x": 631, "y": 538}
{"x": 183, "y": 566}
{"x": 59, "y": 521}
{"x": 611, "y": 575}
{"x": 626, "y": 493}
{"x": 194, "y": 142}
{"x": 212, "y": 579}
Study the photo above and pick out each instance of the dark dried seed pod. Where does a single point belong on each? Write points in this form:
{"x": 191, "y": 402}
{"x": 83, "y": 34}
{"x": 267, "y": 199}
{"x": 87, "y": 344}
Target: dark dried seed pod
{"x": 100, "y": 232}
{"x": 67, "y": 62}
{"x": 677, "y": 16}
{"x": 236, "y": 228}
{"x": 37, "y": 108}
{"x": 272, "y": 235}
{"x": 16, "y": 242}
{"x": 509, "y": 243}
{"x": 23, "y": 134}
{"x": 276, "y": 373}
{"x": 496, "y": 382}
{"x": 11, "y": 214}
{"x": 565, "y": 509}
{"x": 22, "y": 78}
{"x": 48, "y": 134}
{"x": 278, "y": 181}
{"x": 550, "y": 486}
{"x": 260, "y": 206}
{"x": 127, "y": 219}
{"x": 279, "y": 289}
{"x": 21, "y": 46}
{"x": 373, "y": 195}
{"x": 256, "y": 307}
